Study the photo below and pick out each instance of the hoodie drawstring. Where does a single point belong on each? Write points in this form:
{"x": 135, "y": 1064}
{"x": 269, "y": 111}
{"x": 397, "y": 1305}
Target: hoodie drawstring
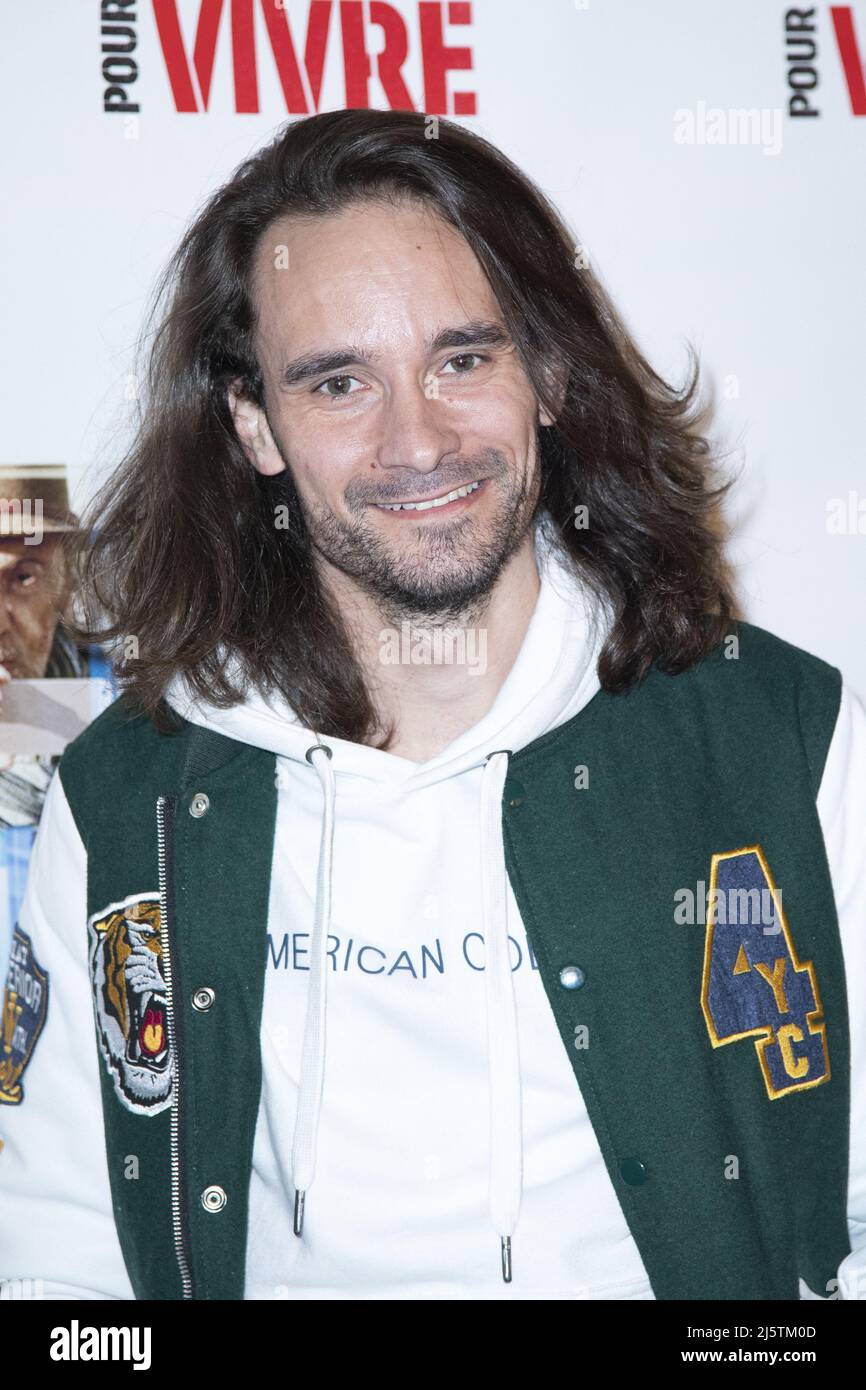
{"x": 503, "y": 1060}
{"x": 313, "y": 1050}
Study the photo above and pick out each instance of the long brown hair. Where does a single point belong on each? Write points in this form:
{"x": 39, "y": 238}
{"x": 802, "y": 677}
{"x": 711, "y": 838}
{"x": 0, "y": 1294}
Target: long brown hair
{"x": 181, "y": 553}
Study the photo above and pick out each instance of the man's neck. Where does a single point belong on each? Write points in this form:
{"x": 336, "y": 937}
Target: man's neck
{"x": 433, "y": 681}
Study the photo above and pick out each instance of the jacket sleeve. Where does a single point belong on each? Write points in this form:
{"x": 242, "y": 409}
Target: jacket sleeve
{"x": 57, "y": 1231}
{"x": 842, "y": 811}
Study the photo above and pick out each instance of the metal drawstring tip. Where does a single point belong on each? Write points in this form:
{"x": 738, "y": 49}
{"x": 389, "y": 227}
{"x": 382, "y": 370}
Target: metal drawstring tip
{"x": 299, "y": 1212}
{"x": 506, "y": 1258}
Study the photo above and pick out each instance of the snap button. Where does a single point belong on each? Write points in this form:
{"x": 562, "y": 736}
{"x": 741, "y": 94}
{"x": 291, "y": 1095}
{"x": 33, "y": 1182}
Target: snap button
{"x": 633, "y": 1171}
{"x": 199, "y": 804}
{"x": 213, "y": 1198}
{"x": 515, "y": 792}
{"x": 203, "y": 999}
{"x": 571, "y": 977}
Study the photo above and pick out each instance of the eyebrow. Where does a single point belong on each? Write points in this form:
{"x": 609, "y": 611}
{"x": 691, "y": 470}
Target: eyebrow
{"x": 483, "y": 333}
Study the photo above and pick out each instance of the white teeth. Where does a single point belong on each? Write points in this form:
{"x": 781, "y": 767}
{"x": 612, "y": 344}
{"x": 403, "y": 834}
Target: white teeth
{"x": 424, "y": 506}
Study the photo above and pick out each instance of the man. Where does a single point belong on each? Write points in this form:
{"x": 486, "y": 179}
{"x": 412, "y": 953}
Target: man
{"x": 507, "y": 965}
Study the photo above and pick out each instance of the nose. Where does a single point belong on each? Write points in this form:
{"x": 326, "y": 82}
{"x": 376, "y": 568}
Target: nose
{"x": 416, "y": 431}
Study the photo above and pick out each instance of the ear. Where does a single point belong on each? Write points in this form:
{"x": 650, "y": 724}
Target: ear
{"x": 254, "y": 432}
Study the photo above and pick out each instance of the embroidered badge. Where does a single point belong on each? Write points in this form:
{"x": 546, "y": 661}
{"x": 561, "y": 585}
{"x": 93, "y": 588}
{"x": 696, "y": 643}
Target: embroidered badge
{"x": 129, "y": 995}
{"x": 753, "y": 984}
{"x": 25, "y": 1007}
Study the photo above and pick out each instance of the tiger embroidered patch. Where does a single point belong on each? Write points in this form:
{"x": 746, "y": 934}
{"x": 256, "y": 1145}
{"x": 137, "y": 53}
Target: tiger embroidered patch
{"x": 129, "y": 994}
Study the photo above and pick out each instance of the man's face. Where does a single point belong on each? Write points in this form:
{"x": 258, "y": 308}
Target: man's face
{"x": 393, "y": 416}
{"x": 32, "y": 593}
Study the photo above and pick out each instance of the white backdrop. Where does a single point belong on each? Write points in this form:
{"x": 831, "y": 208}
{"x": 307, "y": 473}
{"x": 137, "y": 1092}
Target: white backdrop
{"x": 752, "y": 249}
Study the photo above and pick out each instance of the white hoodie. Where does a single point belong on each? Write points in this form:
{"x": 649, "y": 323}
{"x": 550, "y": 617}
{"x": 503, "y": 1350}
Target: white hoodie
{"x": 425, "y": 1104}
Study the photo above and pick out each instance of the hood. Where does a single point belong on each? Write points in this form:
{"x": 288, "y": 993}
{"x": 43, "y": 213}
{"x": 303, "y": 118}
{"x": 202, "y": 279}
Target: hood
{"x": 553, "y": 677}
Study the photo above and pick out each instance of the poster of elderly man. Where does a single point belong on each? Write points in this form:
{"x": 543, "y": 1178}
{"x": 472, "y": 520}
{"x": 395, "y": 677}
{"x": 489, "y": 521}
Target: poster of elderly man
{"x": 50, "y": 687}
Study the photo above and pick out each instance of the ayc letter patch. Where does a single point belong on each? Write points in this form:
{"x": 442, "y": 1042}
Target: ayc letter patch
{"x": 753, "y": 984}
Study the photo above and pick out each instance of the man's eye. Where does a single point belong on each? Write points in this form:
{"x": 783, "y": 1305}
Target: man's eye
{"x": 330, "y": 382}
{"x": 465, "y": 357}
{"x": 26, "y": 578}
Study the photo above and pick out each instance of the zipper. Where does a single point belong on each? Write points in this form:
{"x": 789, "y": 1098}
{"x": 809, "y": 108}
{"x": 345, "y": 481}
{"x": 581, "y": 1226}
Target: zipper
{"x": 165, "y": 807}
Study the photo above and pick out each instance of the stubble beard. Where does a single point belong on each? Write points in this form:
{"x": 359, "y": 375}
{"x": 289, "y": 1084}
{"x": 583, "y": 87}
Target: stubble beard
{"x": 439, "y": 574}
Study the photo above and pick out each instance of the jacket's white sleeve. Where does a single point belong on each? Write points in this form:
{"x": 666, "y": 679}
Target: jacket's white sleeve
{"x": 842, "y": 810}
{"x": 57, "y": 1231}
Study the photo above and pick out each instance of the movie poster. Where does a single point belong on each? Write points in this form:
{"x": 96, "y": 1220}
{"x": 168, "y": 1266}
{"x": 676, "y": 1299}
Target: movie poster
{"x": 50, "y": 688}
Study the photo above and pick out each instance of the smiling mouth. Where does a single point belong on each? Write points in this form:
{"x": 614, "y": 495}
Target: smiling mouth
{"x": 443, "y": 501}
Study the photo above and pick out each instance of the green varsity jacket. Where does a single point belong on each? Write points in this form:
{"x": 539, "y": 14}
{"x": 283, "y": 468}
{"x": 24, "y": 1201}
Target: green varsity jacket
{"x": 714, "y": 1040}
